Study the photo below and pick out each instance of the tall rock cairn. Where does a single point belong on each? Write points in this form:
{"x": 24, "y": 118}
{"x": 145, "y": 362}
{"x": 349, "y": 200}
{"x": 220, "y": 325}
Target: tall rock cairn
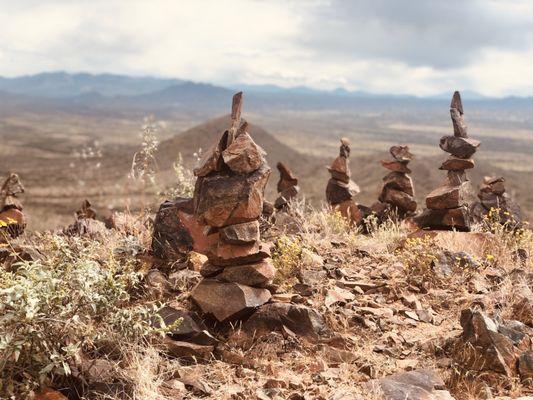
{"x": 449, "y": 206}
{"x": 341, "y": 189}
{"x": 228, "y": 199}
{"x": 494, "y": 199}
{"x": 287, "y": 186}
{"x": 398, "y": 190}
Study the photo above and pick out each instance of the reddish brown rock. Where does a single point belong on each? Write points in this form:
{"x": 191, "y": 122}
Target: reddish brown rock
{"x": 301, "y": 320}
{"x": 212, "y": 160}
{"x": 349, "y": 210}
{"x": 401, "y": 153}
{"x": 228, "y": 252}
{"x": 399, "y": 199}
{"x": 259, "y": 274}
{"x": 227, "y": 301}
{"x": 338, "y": 192}
{"x": 171, "y": 239}
{"x": 340, "y": 170}
{"x": 457, "y": 164}
{"x": 494, "y": 199}
{"x": 457, "y": 218}
{"x": 251, "y": 254}
{"x": 396, "y": 166}
{"x": 222, "y": 200}
{"x": 243, "y": 155}
{"x": 399, "y": 181}
{"x": 286, "y": 196}
{"x": 452, "y": 205}
{"x": 245, "y": 233}
{"x": 287, "y": 179}
{"x": 448, "y": 196}
{"x": 458, "y": 146}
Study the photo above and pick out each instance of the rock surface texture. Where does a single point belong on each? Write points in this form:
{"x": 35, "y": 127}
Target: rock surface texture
{"x": 449, "y": 206}
{"x": 341, "y": 189}
{"x": 228, "y": 201}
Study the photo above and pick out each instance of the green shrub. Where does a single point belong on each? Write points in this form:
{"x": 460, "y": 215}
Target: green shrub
{"x": 53, "y": 308}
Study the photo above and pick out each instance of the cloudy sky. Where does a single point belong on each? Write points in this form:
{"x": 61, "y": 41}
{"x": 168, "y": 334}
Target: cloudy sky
{"x": 384, "y": 46}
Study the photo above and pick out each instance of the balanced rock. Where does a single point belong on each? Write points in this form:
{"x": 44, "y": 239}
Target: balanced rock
{"x": 450, "y": 206}
{"x": 493, "y": 198}
{"x": 398, "y": 191}
{"x": 228, "y": 300}
{"x": 228, "y": 200}
{"x": 340, "y": 189}
{"x": 287, "y": 186}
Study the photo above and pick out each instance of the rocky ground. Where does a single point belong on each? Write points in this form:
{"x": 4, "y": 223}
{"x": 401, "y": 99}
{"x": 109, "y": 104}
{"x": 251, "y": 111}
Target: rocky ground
{"x": 393, "y": 314}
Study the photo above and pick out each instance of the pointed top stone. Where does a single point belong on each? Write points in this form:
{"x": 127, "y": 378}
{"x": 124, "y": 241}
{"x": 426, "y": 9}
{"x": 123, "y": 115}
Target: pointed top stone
{"x": 344, "y": 150}
{"x": 236, "y": 107}
{"x": 457, "y": 103}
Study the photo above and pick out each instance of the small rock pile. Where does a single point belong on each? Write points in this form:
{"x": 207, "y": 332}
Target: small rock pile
{"x": 287, "y": 186}
{"x": 492, "y": 195}
{"x": 449, "y": 205}
{"x": 398, "y": 190}
{"x": 341, "y": 189}
{"x": 228, "y": 199}
{"x": 86, "y": 223}
{"x": 12, "y": 219}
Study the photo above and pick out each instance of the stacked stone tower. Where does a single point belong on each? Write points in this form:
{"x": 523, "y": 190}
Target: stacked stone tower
{"x": 287, "y": 186}
{"x": 492, "y": 196}
{"x": 398, "y": 190}
{"x": 341, "y": 189}
{"x": 228, "y": 200}
{"x": 449, "y": 206}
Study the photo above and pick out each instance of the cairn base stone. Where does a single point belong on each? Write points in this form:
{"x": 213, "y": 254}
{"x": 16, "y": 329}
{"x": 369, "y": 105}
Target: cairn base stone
{"x": 227, "y": 300}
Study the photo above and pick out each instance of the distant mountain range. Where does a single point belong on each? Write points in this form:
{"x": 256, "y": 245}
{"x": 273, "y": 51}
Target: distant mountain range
{"x": 64, "y": 85}
{"x": 86, "y": 92}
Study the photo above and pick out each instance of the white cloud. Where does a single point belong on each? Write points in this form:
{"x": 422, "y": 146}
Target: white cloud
{"x": 314, "y": 43}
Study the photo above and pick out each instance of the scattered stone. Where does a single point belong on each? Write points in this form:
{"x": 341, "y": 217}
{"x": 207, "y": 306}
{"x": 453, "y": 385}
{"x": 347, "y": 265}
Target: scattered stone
{"x": 414, "y": 385}
{"x": 341, "y": 189}
{"x": 184, "y": 326}
{"x": 449, "y": 206}
{"x": 303, "y": 321}
{"x": 525, "y": 365}
{"x": 482, "y": 347}
{"x": 187, "y": 350}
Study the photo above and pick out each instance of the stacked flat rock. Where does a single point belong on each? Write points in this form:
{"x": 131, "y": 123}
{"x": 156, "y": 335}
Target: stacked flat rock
{"x": 287, "y": 186}
{"x": 341, "y": 189}
{"x": 398, "y": 190}
{"x": 228, "y": 201}
{"x": 492, "y": 196}
{"x": 449, "y": 206}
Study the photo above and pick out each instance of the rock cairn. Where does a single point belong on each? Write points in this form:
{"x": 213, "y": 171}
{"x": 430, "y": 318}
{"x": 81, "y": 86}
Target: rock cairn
{"x": 398, "y": 190}
{"x": 341, "y": 189}
{"x": 449, "y": 205}
{"x": 228, "y": 199}
{"x": 287, "y": 186}
{"x": 12, "y": 219}
{"x": 492, "y": 196}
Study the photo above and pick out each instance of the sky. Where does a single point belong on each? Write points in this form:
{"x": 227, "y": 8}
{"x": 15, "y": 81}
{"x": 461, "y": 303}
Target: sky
{"x": 420, "y": 47}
